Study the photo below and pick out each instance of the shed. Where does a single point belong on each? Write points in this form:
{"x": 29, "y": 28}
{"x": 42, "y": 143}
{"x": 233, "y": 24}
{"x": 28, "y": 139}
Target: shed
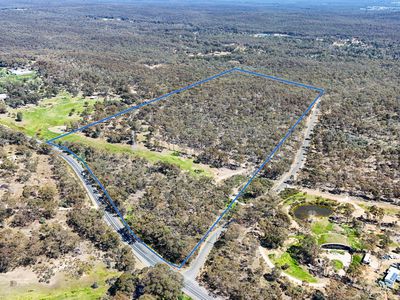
{"x": 392, "y": 275}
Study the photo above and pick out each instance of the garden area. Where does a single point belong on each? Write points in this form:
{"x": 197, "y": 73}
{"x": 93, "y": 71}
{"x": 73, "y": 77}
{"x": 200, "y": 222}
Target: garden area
{"x": 290, "y": 266}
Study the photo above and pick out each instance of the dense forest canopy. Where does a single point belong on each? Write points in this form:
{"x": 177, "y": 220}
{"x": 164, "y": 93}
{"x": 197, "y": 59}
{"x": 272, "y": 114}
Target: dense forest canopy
{"x": 138, "y": 52}
{"x": 241, "y": 117}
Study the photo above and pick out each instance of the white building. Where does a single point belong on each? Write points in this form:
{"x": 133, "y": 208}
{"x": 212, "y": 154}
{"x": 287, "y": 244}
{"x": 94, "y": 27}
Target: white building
{"x": 393, "y": 274}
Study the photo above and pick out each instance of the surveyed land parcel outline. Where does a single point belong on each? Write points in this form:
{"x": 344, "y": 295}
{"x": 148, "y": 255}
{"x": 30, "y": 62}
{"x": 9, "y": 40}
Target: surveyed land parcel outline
{"x": 165, "y": 96}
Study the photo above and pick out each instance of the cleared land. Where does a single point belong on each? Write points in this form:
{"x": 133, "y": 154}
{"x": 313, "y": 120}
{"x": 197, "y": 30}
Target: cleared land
{"x": 52, "y": 117}
{"x": 292, "y": 267}
{"x": 38, "y": 121}
{"x": 63, "y": 287}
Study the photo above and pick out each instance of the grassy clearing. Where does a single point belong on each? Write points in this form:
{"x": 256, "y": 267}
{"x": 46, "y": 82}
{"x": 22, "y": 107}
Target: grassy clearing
{"x": 326, "y": 232}
{"x": 65, "y": 288}
{"x": 152, "y": 156}
{"x": 300, "y": 197}
{"x": 322, "y": 227}
{"x": 39, "y": 120}
{"x": 332, "y": 238}
{"x": 293, "y": 197}
{"x": 352, "y": 236}
{"x": 337, "y": 264}
{"x": 292, "y": 267}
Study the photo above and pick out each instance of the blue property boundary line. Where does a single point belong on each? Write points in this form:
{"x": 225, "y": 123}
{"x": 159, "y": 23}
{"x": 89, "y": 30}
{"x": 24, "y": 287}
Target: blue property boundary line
{"x": 255, "y": 173}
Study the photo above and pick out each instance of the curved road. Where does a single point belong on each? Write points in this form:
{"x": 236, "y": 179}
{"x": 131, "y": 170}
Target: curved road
{"x": 148, "y": 258}
{"x": 191, "y": 287}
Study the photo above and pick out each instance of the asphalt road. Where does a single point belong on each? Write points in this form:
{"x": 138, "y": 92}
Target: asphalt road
{"x": 191, "y": 287}
{"x": 199, "y": 260}
{"x": 148, "y": 258}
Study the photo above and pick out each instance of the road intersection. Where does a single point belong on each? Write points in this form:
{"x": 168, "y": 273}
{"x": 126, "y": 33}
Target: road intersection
{"x": 147, "y": 257}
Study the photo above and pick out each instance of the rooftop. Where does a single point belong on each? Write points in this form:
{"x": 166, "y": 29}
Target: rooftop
{"x": 392, "y": 275}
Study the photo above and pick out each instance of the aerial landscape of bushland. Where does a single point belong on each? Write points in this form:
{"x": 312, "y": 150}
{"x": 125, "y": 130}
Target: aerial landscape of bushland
{"x": 39, "y": 197}
{"x": 170, "y": 209}
{"x": 172, "y": 167}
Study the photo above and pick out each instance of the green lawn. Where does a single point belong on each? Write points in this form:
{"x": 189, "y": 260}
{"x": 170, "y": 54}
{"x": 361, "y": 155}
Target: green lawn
{"x": 39, "y": 120}
{"x": 294, "y": 269}
{"x": 322, "y": 227}
{"x": 332, "y": 238}
{"x": 303, "y": 197}
{"x": 337, "y": 264}
{"x": 327, "y": 232}
{"x": 66, "y": 288}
